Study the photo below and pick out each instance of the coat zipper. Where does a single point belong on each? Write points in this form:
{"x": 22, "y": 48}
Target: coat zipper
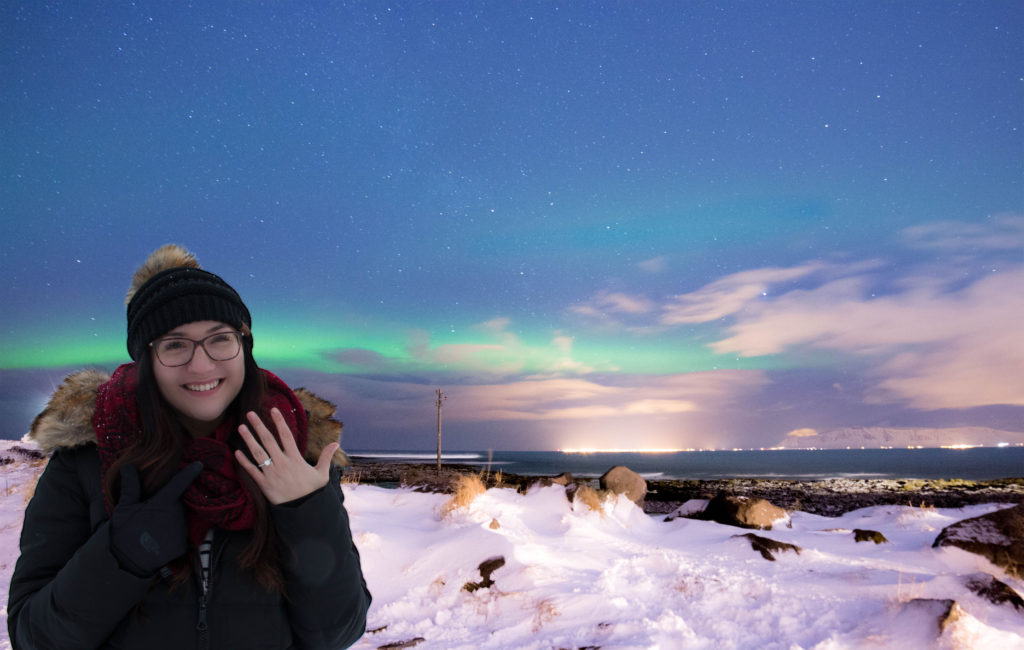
{"x": 205, "y": 584}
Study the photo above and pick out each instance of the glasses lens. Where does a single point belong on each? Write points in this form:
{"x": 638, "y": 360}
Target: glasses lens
{"x": 222, "y": 346}
{"x": 174, "y": 352}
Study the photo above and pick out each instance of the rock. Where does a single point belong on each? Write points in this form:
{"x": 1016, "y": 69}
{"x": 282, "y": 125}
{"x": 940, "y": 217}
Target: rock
{"x": 994, "y": 591}
{"x": 622, "y": 480}
{"x": 945, "y": 611}
{"x": 997, "y": 536}
{"x": 399, "y": 645}
{"x": 860, "y": 535}
{"x": 691, "y": 508}
{"x": 565, "y": 479}
{"x": 744, "y": 512}
{"x": 486, "y": 568}
{"x": 766, "y": 546}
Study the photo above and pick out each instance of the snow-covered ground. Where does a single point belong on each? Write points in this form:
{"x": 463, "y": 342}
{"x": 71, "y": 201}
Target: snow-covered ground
{"x": 616, "y": 578}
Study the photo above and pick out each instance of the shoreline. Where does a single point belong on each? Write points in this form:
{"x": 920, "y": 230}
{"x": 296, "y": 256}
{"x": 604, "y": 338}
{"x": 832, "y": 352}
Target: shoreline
{"x": 828, "y": 497}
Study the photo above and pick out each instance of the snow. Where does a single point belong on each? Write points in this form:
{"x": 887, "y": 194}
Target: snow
{"x": 618, "y": 578}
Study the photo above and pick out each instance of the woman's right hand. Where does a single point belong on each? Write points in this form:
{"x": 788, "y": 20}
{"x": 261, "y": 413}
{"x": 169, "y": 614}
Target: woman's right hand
{"x": 145, "y": 536}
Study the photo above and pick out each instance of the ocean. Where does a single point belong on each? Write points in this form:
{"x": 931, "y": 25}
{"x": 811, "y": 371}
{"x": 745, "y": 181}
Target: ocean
{"x": 979, "y": 463}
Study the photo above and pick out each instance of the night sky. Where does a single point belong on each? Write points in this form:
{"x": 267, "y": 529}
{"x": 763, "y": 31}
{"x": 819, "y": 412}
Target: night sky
{"x": 635, "y": 224}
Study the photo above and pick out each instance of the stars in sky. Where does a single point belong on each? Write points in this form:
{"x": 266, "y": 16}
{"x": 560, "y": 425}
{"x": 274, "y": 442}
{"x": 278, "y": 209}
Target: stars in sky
{"x": 717, "y": 206}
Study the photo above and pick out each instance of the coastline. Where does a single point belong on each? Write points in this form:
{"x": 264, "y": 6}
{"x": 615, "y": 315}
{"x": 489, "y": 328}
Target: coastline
{"x": 830, "y": 497}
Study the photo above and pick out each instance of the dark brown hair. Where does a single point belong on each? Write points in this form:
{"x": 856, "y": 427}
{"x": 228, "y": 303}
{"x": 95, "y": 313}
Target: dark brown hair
{"x": 157, "y": 456}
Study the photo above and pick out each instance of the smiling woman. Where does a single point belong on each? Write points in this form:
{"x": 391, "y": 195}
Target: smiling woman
{"x": 199, "y": 377}
{"x": 191, "y": 472}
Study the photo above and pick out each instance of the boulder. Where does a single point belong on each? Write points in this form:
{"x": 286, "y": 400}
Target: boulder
{"x": 995, "y": 591}
{"x": 486, "y": 568}
{"x": 860, "y": 535}
{"x": 622, "y": 480}
{"x": 564, "y": 479}
{"x": 997, "y": 536}
{"x": 401, "y": 645}
{"x": 944, "y": 611}
{"x": 745, "y": 512}
{"x": 691, "y": 509}
{"x": 766, "y": 546}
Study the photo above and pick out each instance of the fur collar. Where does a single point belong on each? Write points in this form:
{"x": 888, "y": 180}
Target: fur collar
{"x": 66, "y": 421}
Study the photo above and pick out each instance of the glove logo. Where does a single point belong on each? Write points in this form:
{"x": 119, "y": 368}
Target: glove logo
{"x": 147, "y": 542}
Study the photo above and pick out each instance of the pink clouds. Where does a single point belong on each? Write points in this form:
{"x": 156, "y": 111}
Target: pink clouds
{"x": 729, "y": 295}
{"x": 575, "y": 399}
{"x": 606, "y": 304}
{"x": 940, "y": 335}
{"x": 933, "y": 346}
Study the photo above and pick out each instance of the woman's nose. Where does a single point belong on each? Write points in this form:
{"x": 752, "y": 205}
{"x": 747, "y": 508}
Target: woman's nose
{"x": 200, "y": 359}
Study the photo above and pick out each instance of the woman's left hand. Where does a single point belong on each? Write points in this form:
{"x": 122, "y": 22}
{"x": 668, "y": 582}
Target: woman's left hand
{"x": 287, "y": 476}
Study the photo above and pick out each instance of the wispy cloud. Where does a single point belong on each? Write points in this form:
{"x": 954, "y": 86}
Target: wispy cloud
{"x": 574, "y": 399}
{"x": 1002, "y": 232}
{"x": 501, "y": 354}
{"x": 654, "y": 265}
{"x": 931, "y": 337}
{"x": 609, "y": 306}
{"x": 730, "y": 295}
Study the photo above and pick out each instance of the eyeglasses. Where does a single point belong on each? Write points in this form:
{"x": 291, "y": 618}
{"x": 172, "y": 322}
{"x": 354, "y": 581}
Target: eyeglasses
{"x": 175, "y": 351}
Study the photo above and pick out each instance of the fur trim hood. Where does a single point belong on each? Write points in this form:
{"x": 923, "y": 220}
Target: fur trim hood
{"x": 66, "y": 422}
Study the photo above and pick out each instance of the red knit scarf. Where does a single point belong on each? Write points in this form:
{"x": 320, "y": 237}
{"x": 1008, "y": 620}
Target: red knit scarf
{"x": 217, "y": 498}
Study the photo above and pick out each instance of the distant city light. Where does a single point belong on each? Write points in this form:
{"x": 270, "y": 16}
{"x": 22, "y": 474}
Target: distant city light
{"x": 622, "y": 451}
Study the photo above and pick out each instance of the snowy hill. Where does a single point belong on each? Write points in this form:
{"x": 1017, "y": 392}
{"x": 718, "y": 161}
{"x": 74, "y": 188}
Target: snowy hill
{"x": 876, "y": 437}
{"x": 512, "y": 571}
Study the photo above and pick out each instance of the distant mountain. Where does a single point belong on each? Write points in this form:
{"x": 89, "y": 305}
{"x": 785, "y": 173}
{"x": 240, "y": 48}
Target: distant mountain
{"x": 876, "y": 437}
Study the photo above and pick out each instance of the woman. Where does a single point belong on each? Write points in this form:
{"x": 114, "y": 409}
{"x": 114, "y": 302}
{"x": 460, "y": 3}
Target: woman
{"x": 190, "y": 501}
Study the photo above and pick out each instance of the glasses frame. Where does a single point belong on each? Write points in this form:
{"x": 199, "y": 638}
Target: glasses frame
{"x": 239, "y": 336}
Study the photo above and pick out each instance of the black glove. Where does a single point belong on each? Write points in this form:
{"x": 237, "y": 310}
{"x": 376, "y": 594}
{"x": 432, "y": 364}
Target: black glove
{"x": 146, "y": 536}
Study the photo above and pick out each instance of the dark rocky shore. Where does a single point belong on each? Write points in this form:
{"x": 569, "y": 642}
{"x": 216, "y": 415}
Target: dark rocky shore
{"x": 829, "y": 497}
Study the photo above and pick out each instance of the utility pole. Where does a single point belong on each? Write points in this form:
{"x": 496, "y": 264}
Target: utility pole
{"x": 441, "y": 397}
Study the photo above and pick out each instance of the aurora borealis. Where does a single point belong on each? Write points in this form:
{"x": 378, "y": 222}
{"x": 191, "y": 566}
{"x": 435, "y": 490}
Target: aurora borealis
{"x": 591, "y": 224}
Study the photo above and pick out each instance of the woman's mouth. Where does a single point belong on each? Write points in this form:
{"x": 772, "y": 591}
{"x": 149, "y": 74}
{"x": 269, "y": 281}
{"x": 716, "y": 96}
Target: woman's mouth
{"x": 202, "y": 388}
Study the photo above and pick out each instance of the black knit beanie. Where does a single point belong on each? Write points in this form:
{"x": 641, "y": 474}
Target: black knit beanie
{"x": 171, "y": 290}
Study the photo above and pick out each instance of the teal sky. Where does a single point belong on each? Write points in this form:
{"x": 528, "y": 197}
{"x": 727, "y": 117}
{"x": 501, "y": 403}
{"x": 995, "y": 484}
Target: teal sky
{"x": 674, "y": 224}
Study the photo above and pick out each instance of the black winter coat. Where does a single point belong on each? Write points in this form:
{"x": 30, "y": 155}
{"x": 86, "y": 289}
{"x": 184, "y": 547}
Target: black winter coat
{"x": 68, "y": 590}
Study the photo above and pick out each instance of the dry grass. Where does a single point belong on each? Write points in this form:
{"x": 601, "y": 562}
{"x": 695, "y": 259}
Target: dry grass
{"x": 465, "y": 489}
{"x": 28, "y": 488}
{"x": 546, "y": 612}
{"x": 907, "y": 589}
{"x": 589, "y": 497}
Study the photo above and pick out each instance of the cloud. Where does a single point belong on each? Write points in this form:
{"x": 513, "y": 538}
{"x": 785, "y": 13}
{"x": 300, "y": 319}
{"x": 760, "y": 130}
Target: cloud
{"x": 935, "y": 347}
{"x": 563, "y": 343}
{"x": 998, "y": 233}
{"x": 500, "y": 355}
{"x": 929, "y": 335}
{"x": 802, "y": 433}
{"x": 607, "y": 302}
{"x": 738, "y": 292}
{"x": 653, "y": 265}
{"x": 495, "y": 325}
{"x": 577, "y": 398}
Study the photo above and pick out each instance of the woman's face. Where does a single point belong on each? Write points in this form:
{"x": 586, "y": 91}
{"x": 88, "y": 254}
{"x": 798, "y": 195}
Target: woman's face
{"x": 202, "y": 389}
